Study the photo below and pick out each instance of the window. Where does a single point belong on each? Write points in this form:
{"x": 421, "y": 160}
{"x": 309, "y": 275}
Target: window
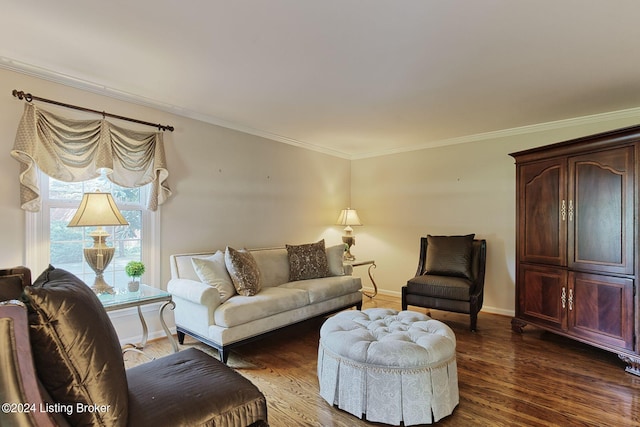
{"x": 50, "y": 241}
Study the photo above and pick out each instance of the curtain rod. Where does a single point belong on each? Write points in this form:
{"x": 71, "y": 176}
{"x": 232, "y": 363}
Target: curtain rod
{"x": 28, "y": 97}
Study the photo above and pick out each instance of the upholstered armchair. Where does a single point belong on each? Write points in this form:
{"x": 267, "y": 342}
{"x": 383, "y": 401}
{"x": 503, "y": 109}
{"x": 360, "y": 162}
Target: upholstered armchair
{"x": 62, "y": 366}
{"x": 450, "y": 276}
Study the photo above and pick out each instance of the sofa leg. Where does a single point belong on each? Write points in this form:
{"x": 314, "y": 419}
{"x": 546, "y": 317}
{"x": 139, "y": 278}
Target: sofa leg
{"x": 404, "y": 298}
{"x": 359, "y": 306}
{"x": 224, "y": 355}
{"x": 181, "y": 337}
{"x": 474, "y": 321}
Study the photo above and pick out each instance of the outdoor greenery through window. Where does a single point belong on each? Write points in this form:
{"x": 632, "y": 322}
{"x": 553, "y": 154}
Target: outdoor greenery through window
{"x": 66, "y": 243}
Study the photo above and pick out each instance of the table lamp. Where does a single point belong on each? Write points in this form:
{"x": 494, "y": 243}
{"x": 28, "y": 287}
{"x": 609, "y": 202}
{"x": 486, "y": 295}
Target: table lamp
{"x": 98, "y": 209}
{"x": 348, "y": 217}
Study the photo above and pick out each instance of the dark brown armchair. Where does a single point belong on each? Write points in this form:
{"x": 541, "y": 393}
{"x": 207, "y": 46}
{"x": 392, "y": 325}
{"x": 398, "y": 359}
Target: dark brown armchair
{"x": 450, "y": 275}
{"x": 62, "y": 366}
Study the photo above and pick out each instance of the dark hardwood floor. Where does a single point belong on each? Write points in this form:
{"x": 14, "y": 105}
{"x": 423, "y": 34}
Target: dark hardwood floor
{"x": 505, "y": 378}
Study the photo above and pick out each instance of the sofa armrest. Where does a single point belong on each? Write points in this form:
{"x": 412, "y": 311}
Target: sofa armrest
{"x": 348, "y": 269}
{"x": 196, "y": 292}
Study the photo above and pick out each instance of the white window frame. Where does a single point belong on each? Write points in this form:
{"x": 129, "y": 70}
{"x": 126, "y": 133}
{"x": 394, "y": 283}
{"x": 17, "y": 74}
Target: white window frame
{"x": 37, "y": 256}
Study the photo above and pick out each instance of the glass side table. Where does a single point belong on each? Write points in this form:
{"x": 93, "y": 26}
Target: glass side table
{"x": 145, "y": 295}
{"x": 372, "y": 264}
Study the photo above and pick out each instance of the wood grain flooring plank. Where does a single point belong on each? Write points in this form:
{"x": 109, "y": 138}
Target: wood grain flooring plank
{"x": 534, "y": 379}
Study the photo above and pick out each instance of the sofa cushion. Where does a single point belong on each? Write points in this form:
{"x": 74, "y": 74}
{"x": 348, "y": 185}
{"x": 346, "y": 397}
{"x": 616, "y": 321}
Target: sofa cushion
{"x": 273, "y": 264}
{"x": 449, "y": 255}
{"x": 192, "y": 388}
{"x": 243, "y": 270}
{"x": 326, "y": 288}
{"x": 213, "y": 272}
{"x": 241, "y": 309}
{"x": 76, "y": 349}
{"x": 335, "y": 255}
{"x": 308, "y": 261}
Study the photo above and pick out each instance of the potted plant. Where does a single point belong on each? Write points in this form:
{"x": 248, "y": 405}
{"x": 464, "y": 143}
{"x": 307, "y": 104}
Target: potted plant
{"x": 134, "y": 269}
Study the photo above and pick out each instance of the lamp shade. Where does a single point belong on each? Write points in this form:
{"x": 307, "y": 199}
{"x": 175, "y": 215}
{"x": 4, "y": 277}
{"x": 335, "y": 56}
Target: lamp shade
{"x": 97, "y": 209}
{"x": 348, "y": 217}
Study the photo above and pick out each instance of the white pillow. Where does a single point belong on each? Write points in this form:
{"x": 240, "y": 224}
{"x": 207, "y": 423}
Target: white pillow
{"x": 213, "y": 272}
{"x": 334, "y": 259}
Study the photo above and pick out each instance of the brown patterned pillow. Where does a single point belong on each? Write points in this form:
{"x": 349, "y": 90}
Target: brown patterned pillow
{"x": 307, "y": 261}
{"x": 243, "y": 270}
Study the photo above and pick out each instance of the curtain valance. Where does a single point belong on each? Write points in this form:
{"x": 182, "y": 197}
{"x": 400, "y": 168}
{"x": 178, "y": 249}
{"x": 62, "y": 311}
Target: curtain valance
{"x": 77, "y": 150}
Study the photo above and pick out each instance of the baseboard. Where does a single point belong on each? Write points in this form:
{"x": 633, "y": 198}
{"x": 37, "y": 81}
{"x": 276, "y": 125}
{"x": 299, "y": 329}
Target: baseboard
{"x": 500, "y": 311}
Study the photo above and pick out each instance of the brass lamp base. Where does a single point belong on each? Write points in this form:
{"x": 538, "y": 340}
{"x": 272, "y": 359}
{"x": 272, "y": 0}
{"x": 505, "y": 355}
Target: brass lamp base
{"x": 349, "y": 240}
{"x": 98, "y": 257}
{"x": 102, "y": 287}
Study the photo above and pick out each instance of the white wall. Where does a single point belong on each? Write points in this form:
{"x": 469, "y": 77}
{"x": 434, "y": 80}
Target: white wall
{"x": 459, "y": 189}
{"x": 230, "y": 188}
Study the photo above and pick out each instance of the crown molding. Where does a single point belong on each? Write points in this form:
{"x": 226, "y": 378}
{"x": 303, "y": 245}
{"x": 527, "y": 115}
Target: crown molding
{"x": 541, "y": 127}
{"x": 67, "y": 80}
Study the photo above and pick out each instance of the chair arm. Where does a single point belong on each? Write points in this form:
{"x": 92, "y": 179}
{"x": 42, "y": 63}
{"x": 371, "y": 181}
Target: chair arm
{"x": 19, "y": 384}
{"x": 194, "y": 291}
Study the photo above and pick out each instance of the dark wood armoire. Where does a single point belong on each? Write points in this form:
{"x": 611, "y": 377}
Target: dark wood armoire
{"x": 577, "y": 241}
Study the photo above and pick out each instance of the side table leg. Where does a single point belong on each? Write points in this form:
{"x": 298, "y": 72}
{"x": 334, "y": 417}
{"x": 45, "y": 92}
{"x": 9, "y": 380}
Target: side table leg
{"x": 145, "y": 330}
{"x": 375, "y": 287}
{"x": 145, "y": 336}
{"x": 164, "y": 324}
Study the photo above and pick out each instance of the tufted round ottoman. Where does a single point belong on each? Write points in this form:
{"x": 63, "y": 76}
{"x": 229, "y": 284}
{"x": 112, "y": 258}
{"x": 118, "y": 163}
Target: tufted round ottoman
{"x": 389, "y": 366}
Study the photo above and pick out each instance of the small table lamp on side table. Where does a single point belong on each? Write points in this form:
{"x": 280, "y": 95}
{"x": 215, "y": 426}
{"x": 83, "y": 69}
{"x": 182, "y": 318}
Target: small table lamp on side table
{"x": 348, "y": 217}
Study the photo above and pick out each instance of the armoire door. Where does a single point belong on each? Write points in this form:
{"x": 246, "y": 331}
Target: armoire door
{"x": 542, "y": 296}
{"x": 601, "y": 309}
{"x": 542, "y": 205}
{"x": 600, "y": 211}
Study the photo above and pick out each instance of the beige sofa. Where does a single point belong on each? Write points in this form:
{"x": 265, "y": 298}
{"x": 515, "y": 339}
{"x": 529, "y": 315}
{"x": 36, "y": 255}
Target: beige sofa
{"x": 206, "y": 311}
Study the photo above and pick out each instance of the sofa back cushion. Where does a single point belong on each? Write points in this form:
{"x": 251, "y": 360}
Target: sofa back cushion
{"x": 76, "y": 350}
{"x": 273, "y": 264}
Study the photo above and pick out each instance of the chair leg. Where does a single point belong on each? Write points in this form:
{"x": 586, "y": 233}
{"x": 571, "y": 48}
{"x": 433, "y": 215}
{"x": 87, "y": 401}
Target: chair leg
{"x": 474, "y": 321}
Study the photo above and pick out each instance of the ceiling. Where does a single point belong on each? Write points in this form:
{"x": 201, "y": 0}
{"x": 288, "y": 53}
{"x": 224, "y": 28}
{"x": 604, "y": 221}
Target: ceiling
{"x": 353, "y": 78}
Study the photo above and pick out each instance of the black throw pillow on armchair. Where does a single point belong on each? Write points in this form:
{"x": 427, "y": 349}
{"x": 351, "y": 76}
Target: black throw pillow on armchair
{"x": 76, "y": 350}
{"x": 450, "y": 255}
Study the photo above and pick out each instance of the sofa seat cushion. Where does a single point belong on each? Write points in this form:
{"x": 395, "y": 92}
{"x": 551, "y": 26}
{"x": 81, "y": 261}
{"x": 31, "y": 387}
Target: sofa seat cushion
{"x": 241, "y": 309}
{"x": 192, "y": 388}
{"x": 326, "y": 288}
{"x": 448, "y": 287}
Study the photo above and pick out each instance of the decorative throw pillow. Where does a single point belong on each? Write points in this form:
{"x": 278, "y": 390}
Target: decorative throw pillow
{"x": 335, "y": 255}
{"x": 307, "y": 261}
{"x": 76, "y": 349}
{"x": 243, "y": 270}
{"x": 213, "y": 272}
{"x": 449, "y": 255}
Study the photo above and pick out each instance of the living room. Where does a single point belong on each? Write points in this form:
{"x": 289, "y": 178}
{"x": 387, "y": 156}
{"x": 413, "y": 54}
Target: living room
{"x": 245, "y": 189}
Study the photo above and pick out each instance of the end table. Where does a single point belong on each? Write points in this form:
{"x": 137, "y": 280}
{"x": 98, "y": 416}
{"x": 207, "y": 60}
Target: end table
{"x": 145, "y": 295}
{"x": 372, "y": 264}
